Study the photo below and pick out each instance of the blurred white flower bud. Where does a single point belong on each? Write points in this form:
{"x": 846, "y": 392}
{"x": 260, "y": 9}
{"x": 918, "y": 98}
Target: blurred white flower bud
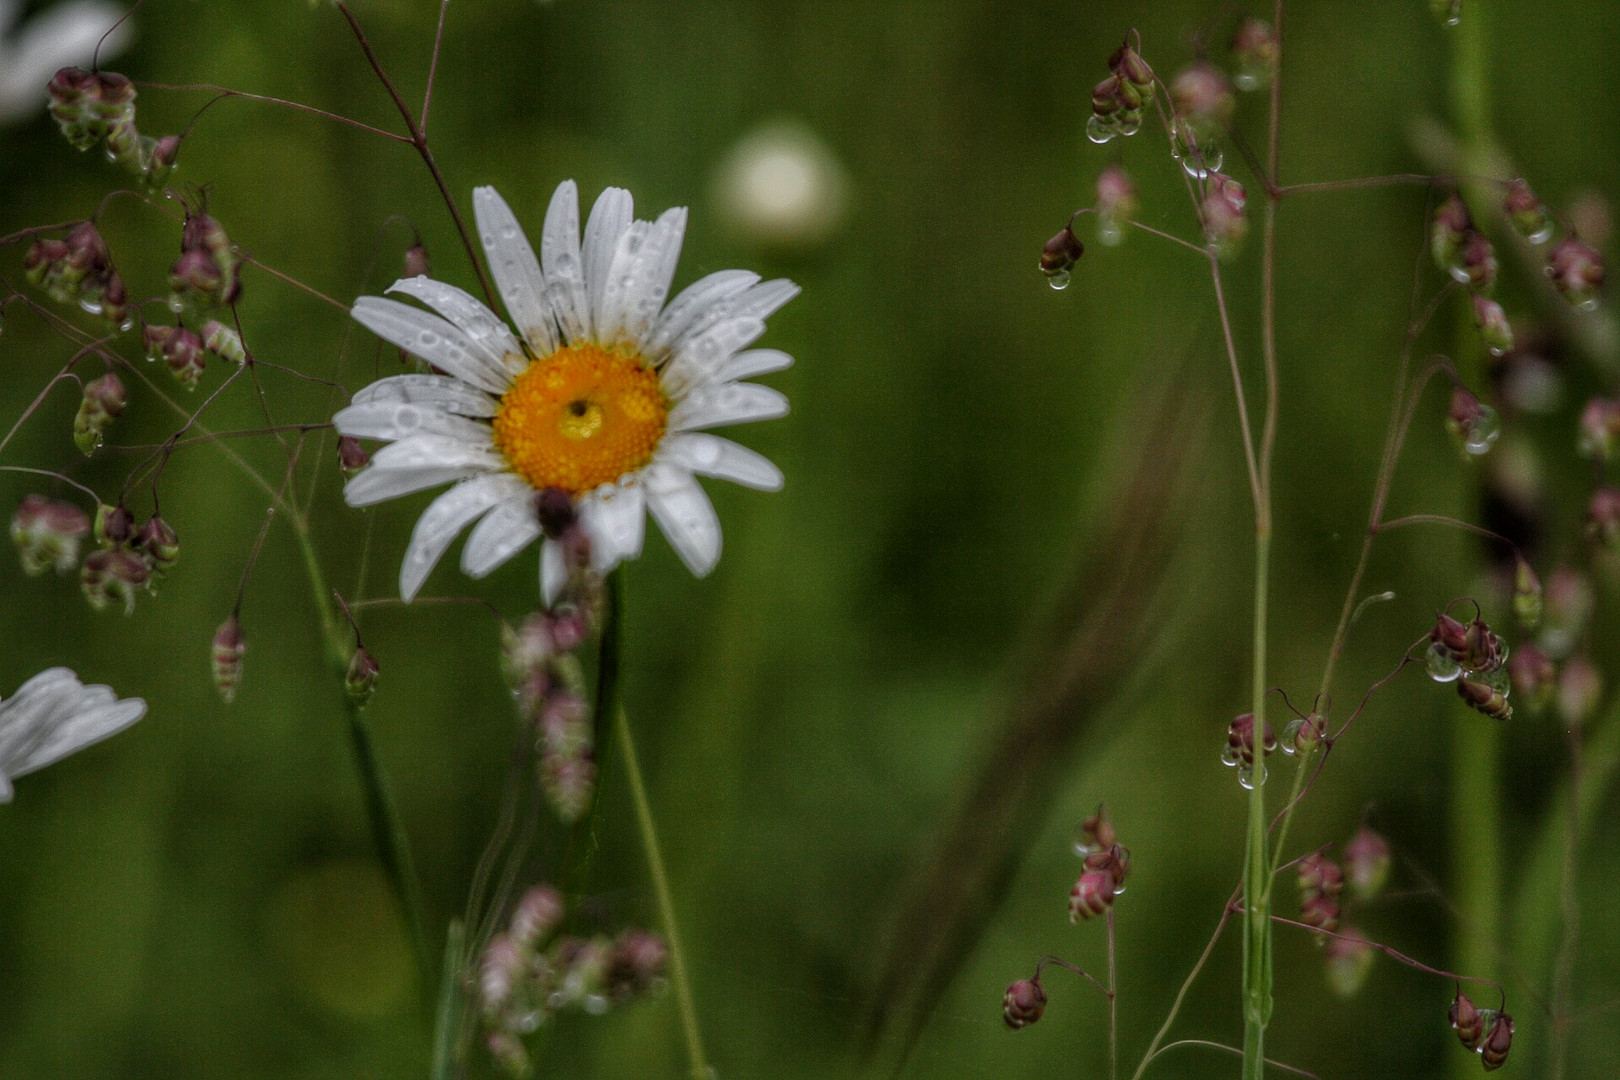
{"x": 782, "y": 185}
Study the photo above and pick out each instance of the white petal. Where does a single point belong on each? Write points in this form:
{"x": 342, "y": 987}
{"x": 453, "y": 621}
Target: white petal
{"x": 686, "y": 516}
{"x": 484, "y": 329}
{"x": 615, "y": 517}
{"x": 444, "y": 519}
{"x": 395, "y": 420}
{"x": 752, "y": 362}
{"x": 443, "y": 391}
{"x": 646, "y": 280}
{"x": 612, "y": 214}
{"x": 710, "y": 455}
{"x": 515, "y": 269}
{"x": 553, "y": 572}
{"x": 607, "y": 312}
{"x": 53, "y": 715}
{"x": 763, "y": 300}
{"x": 691, "y": 304}
{"x": 422, "y": 461}
{"x": 505, "y": 531}
{"x": 434, "y": 339}
{"x": 727, "y": 403}
{"x": 564, "y": 270}
{"x": 700, "y": 356}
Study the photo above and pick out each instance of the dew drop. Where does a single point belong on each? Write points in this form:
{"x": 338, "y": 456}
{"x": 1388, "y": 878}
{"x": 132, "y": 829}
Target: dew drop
{"x": 1443, "y": 667}
{"x": 1078, "y": 843}
{"x": 91, "y": 307}
{"x": 1099, "y": 130}
{"x": 1541, "y": 235}
{"x": 1130, "y": 123}
{"x": 1482, "y": 433}
{"x": 1058, "y": 280}
{"x": 1229, "y": 756}
{"x": 1290, "y": 735}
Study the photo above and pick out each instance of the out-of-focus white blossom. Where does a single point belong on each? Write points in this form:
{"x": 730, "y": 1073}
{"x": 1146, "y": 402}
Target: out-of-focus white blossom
{"x": 52, "y": 715}
{"x": 781, "y": 185}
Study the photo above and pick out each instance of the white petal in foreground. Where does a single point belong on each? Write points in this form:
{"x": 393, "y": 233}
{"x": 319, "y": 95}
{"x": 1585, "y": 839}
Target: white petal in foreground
{"x": 564, "y": 270}
{"x": 505, "y": 531}
{"x": 484, "y": 329}
{"x": 700, "y": 356}
{"x": 51, "y": 716}
{"x": 693, "y": 303}
{"x": 391, "y": 420}
{"x": 433, "y": 339}
{"x": 710, "y": 455}
{"x": 553, "y": 572}
{"x": 612, "y": 214}
{"x": 752, "y": 362}
{"x": 417, "y": 463}
{"x": 515, "y": 269}
{"x": 727, "y": 403}
{"x": 615, "y": 518}
{"x": 640, "y": 279}
{"x": 451, "y": 395}
{"x": 685, "y": 515}
{"x": 443, "y": 521}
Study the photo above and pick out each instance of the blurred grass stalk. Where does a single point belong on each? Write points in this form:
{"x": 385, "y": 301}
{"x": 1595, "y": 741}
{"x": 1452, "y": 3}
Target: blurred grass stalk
{"x": 1104, "y": 626}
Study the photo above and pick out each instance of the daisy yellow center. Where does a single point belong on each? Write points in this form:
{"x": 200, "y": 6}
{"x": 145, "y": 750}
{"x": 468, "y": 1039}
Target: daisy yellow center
{"x": 581, "y": 417}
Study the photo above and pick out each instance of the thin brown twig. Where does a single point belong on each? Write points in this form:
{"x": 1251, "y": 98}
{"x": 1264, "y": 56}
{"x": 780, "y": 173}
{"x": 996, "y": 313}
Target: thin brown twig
{"x": 227, "y": 92}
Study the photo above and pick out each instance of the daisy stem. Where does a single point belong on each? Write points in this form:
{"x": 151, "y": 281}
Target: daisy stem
{"x": 666, "y": 905}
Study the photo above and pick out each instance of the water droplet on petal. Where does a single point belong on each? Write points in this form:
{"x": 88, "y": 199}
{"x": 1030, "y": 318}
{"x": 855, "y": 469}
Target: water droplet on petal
{"x": 1099, "y": 130}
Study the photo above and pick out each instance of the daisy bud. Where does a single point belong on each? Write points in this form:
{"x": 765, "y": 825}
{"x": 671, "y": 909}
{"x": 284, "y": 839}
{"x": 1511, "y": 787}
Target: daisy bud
{"x": 1225, "y": 224}
{"x": 1451, "y": 227}
{"x": 1603, "y": 516}
{"x": 1201, "y": 93}
{"x": 1116, "y": 205}
{"x": 1254, "y": 49}
{"x": 1320, "y": 883}
{"x": 180, "y": 350}
{"x": 229, "y": 645}
{"x": 1466, "y": 1020}
{"x": 508, "y": 1051}
{"x": 1492, "y": 323}
{"x": 1493, "y": 1051}
{"x": 636, "y": 965}
{"x": 1302, "y": 734}
{"x": 72, "y": 92}
{"x": 112, "y": 576}
{"x": 1097, "y": 832}
{"x": 1526, "y": 213}
{"x": 361, "y": 679}
{"x": 1240, "y": 741}
{"x": 1576, "y": 272}
{"x": 1600, "y": 428}
{"x": 569, "y": 781}
{"x": 499, "y": 970}
{"x": 538, "y": 913}
{"x": 1476, "y": 262}
{"x": 416, "y": 261}
{"x": 224, "y": 342}
{"x": 1128, "y": 65}
{"x": 208, "y": 273}
{"x": 193, "y": 280}
{"x": 1348, "y": 961}
{"x": 1366, "y": 862}
{"x": 1580, "y": 691}
{"x": 1023, "y": 1003}
{"x": 1060, "y": 253}
{"x": 159, "y": 160}
{"x": 1483, "y": 651}
{"x": 160, "y": 545}
{"x": 102, "y": 403}
{"x": 1567, "y": 606}
{"x": 1092, "y": 894}
{"x": 114, "y": 525}
{"x": 1526, "y": 594}
{"x": 47, "y": 534}
{"x": 1473, "y": 425}
{"x": 1534, "y": 675}
{"x": 1486, "y": 697}
{"x": 555, "y": 508}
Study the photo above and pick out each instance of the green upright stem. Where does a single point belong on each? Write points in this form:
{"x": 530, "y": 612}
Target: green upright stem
{"x": 1257, "y": 859}
{"x": 699, "y": 1065}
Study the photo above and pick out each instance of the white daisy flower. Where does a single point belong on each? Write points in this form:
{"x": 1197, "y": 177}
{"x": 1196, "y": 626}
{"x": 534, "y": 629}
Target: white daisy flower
{"x": 52, "y": 715}
{"x": 604, "y": 392}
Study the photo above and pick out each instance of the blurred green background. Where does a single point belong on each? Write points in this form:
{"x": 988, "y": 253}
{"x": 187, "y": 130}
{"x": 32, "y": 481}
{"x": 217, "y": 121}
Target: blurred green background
{"x": 198, "y": 897}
